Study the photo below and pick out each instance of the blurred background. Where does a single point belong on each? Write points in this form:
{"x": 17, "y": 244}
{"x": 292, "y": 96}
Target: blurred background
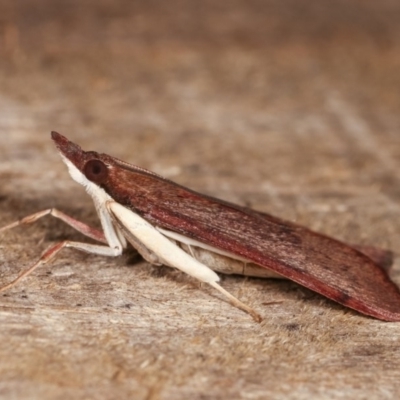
{"x": 291, "y": 107}
{"x": 239, "y": 98}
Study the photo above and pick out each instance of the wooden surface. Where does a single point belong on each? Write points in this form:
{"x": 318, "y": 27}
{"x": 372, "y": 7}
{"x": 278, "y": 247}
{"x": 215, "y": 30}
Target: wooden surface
{"x": 291, "y": 107}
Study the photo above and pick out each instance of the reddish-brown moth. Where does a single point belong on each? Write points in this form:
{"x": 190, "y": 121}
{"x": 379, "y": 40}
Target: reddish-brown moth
{"x": 172, "y": 225}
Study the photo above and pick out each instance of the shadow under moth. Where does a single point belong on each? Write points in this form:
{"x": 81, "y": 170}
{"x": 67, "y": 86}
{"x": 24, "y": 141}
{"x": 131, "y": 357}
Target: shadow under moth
{"x": 172, "y": 225}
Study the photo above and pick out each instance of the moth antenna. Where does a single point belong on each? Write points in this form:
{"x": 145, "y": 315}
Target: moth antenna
{"x": 236, "y": 302}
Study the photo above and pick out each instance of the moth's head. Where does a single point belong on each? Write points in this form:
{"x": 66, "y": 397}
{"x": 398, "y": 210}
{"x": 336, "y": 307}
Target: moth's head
{"x": 84, "y": 166}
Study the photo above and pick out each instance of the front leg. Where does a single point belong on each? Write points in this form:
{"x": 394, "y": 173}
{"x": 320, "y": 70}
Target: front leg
{"x": 113, "y": 249}
{"x": 144, "y": 251}
{"x": 74, "y": 223}
{"x": 53, "y": 250}
{"x": 167, "y": 252}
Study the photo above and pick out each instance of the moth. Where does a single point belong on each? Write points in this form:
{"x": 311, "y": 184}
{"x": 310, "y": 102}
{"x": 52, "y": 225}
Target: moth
{"x": 172, "y": 225}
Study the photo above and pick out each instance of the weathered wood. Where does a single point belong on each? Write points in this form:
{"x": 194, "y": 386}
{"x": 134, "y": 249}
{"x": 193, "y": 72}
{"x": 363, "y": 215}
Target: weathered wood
{"x": 289, "y": 107}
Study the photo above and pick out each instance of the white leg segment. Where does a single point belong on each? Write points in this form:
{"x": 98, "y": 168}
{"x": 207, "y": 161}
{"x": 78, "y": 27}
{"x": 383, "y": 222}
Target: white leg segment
{"x": 166, "y": 251}
{"x": 169, "y": 253}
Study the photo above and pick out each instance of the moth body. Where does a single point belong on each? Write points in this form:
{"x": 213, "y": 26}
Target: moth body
{"x": 176, "y": 226}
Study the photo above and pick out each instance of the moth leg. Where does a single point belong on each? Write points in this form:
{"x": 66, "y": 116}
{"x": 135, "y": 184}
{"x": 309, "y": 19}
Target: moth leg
{"x": 191, "y": 250}
{"x": 53, "y": 250}
{"x": 144, "y": 251}
{"x": 147, "y": 254}
{"x": 236, "y": 302}
{"x": 167, "y": 251}
{"x": 74, "y": 223}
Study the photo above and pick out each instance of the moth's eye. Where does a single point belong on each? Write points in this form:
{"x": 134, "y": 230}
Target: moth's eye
{"x": 96, "y": 171}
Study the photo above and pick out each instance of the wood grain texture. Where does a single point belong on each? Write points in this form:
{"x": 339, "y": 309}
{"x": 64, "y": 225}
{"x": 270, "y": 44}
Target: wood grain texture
{"x": 288, "y": 107}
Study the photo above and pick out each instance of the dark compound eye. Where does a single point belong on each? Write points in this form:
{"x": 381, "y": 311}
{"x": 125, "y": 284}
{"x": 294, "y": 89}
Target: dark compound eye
{"x": 96, "y": 171}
